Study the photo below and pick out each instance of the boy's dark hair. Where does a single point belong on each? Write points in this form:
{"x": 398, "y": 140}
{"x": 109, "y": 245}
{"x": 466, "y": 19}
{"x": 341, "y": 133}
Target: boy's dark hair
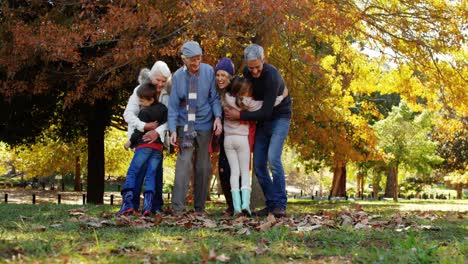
{"x": 147, "y": 91}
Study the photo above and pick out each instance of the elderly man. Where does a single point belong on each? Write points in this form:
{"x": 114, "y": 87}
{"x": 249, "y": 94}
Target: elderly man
{"x": 272, "y": 128}
{"x": 193, "y": 106}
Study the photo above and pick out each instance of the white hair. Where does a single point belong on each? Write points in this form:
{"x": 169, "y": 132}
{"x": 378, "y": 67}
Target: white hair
{"x": 159, "y": 68}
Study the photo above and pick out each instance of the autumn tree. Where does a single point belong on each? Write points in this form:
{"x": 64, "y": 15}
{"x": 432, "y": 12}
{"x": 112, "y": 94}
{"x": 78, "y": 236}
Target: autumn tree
{"x": 83, "y": 57}
{"x": 404, "y": 141}
{"x": 316, "y": 45}
{"x": 453, "y": 148}
{"x": 49, "y": 156}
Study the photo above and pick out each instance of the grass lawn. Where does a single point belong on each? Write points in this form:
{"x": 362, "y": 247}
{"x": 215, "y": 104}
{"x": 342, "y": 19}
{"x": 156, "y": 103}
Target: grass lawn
{"x": 405, "y": 232}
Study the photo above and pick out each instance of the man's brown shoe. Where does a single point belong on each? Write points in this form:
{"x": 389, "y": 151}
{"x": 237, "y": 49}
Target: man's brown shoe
{"x": 264, "y": 212}
{"x": 278, "y": 212}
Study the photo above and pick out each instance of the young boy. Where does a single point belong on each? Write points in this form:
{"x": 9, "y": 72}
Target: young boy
{"x": 145, "y": 153}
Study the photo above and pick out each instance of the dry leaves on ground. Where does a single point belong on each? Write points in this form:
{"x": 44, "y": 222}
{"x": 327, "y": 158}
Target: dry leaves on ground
{"x": 356, "y": 218}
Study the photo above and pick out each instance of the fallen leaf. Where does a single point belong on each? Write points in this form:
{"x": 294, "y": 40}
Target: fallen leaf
{"x": 106, "y": 223}
{"x": 122, "y": 221}
{"x": 223, "y": 258}
{"x": 403, "y": 229}
{"x": 308, "y": 228}
{"x": 188, "y": 225}
{"x": 346, "y": 220}
{"x": 361, "y": 226}
{"x": 358, "y": 207}
{"x": 261, "y": 246}
{"x": 244, "y": 231}
{"x": 157, "y": 219}
{"x": 142, "y": 223}
{"x": 264, "y": 226}
{"x": 328, "y": 214}
{"x": 107, "y": 215}
{"x": 77, "y": 211}
{"x": 241, "y": 219}
{"x": 212, "y": 255}
{"x": 224, "y": 227}
{"x": 428, "y": 227}
{"x": 207, "y": 255}
{"x": 93, "y": 225}
{"x": 271, "y": 218}
{"x": 57, "y": 226}
{"x": 209, "y": 223}
{"x": 379, "y": 223}
{"x": 39, "y": 228}
{"x": 362, "y": 214}
{"x": 398, "y": 219}
{"x": 73, "y": 220}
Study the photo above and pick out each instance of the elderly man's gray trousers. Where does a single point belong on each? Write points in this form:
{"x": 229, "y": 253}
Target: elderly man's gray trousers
{"x": 184, "y": 168}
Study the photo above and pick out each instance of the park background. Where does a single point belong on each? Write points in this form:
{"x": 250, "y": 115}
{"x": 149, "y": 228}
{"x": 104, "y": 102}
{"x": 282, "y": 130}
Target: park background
{"x": 378, "y": 88}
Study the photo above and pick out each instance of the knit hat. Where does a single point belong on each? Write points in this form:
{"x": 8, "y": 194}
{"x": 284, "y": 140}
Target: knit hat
{"x": 226, "y": 65}
{"x": 191, "y": 49}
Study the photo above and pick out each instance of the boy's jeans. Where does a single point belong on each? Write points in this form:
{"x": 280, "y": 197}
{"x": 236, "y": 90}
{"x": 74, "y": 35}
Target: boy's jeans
{"x": 144, "y": 157}
{"x": 158, "y": 194}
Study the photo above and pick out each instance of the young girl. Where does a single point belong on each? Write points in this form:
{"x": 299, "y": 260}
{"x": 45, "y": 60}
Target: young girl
{"x": 236, "y": 141}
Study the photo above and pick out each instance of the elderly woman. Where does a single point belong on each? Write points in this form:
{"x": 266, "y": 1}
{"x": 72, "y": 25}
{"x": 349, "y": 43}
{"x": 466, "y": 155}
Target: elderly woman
{"x": 160, "y": 76}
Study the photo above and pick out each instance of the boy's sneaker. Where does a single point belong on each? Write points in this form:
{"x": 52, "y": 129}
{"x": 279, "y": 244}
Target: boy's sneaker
{"x": 147, "y": 202}
{"x": 126, "y": 212}
{"x": 146, "y": 213}
{"x": 127, "y": 205}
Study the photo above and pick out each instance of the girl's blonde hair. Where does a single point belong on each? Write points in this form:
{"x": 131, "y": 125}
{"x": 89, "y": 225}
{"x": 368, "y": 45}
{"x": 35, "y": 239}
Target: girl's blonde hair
{"x": 239, "y": 88}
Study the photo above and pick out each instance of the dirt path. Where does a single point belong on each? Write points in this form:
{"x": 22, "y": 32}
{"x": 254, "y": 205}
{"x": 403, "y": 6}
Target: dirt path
{"x": 21, "y": 196}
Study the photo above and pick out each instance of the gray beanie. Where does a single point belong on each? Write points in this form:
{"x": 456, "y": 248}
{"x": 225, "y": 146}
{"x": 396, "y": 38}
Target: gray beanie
{"x": 191, "y": 49}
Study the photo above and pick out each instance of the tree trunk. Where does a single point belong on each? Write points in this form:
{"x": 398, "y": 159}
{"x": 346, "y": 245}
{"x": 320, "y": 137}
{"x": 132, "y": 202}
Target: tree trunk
{"x": 360, "y": 184}
{"x": 375, "y": 190}
{"x": 96, "y": 128}
{"x": 215, "y": 169}
{"x": 257, "y": 198}
{"x": 459, "y": 189}
{"x": 339, "y": 180}
{"x": 321, "y": 183}
{"x": 391, "y": 188}
{"x": 77, "y": 174}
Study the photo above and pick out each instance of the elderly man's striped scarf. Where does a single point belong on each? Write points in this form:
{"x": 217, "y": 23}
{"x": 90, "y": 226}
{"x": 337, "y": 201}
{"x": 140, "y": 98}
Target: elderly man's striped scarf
{"x": 189, "y": 127}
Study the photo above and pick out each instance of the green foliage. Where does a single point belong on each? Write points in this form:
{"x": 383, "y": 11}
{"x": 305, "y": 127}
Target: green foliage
{"x": 403, "y": 139}
{"x": 116, "y": 157}
{"x": 49, "y": 155}
{"x": 5, "y": 158}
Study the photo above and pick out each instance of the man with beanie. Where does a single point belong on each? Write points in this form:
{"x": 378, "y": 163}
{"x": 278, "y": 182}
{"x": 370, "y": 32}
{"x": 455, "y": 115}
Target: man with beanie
{"x": 194, "y": 113}
{"x": 271, "y": 131}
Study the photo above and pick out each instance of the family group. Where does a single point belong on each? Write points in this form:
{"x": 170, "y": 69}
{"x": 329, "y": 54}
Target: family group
{"x": 195, "y": 106}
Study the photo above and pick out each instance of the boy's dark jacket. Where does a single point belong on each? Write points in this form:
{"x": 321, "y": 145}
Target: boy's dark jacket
{"x": 155, "y": 112}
